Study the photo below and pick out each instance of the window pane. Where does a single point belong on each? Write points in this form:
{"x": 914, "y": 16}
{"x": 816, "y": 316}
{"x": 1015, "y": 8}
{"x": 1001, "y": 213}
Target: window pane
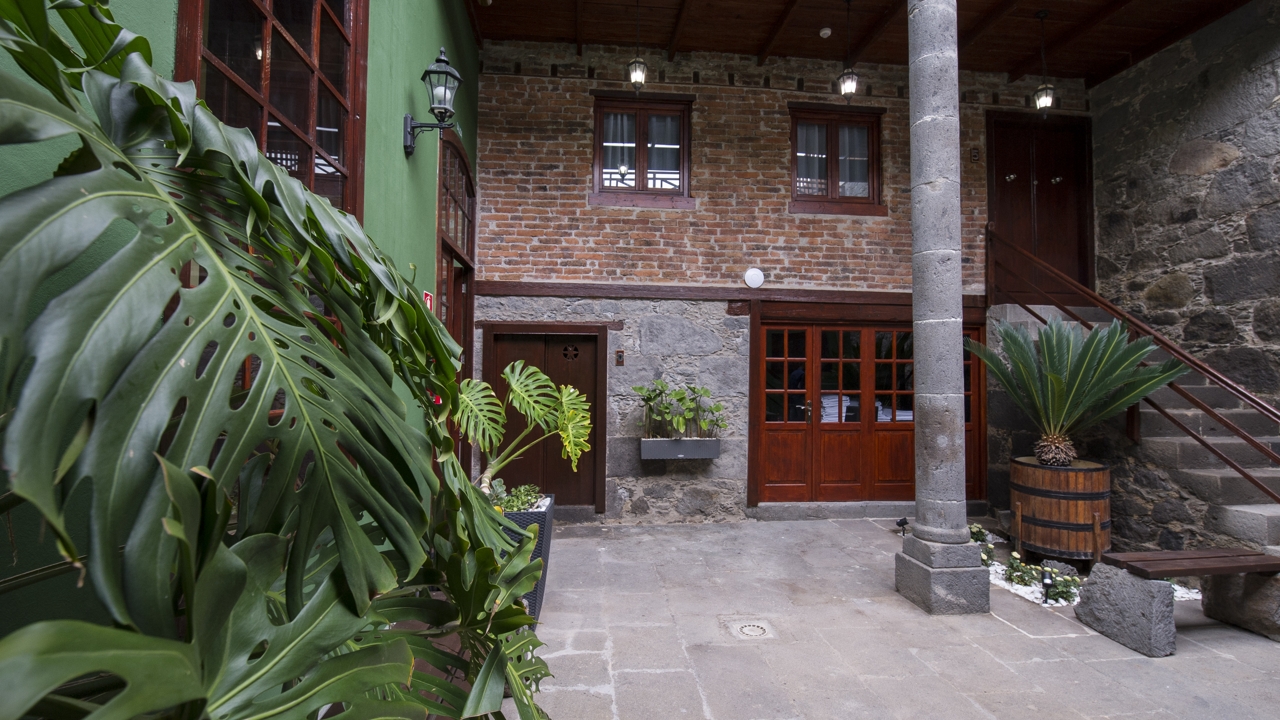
{"x": 231, "y": 104}
{"x": 852, "y": 376}
{"x": 290, "y": 83}
{"x": 664, "y": 152}
{"x": 233, "y": 33}
{"x": 329, "y": 182}
{"x": 339, "y": 8}
{"x": 296, "y": 16}
{"x": 830, "y": 344}
{"x": 331, "y": 120}
{"x": 904, "y": 346}
{"x": 795, "y": 375}
{"x": 906, "y": 376}
{"x": 905, "y": 411}
{"x": 884, "y": 408}
{"x": 884, "y": 345}
{"x": 811, "y": 159}
{"x": 830, "y": 379}
{"x": 852, "y": 343}
{"x": 333, "y": 54}
{"x": 773, "y": 372}
{"x": 288, "y": 151}
{"x": 884, "y": 376}
{"x": 853, "y": 161}
{"x": 619, "y": 144}
{"x": 773, "y": 344}
{"x": 796, "y": 340}
{"x": 773, "y": 404}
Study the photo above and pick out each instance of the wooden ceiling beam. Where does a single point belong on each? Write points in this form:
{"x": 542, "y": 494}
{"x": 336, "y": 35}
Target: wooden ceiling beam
{"x": 679, "y": 28}
{"x": 777, "y": 31}
{"x": 986, "y": 22}
{"x": 577, "y": 25}
{"x": 869, "y": 37}
{"x": 1029, "y": 63}
{"x": 1133, "y": 58}
{"x": 475, "y": 24}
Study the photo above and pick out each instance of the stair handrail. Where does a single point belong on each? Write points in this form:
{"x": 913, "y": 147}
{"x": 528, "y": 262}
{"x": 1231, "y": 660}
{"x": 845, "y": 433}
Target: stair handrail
{"x": 1173, "y": 349}
{"x": 1142, "y": 328}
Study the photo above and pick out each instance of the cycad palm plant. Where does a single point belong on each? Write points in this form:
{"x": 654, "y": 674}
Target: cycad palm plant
{"x": 1067, "y": 382}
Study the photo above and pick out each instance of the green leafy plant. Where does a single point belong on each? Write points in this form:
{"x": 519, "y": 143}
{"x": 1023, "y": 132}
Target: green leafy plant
{"x": 988, "y": 554}
{"x": 554, "y": 412}
{"x": 266, "y": 522}
{"x": 518, "y": 500}
{"x": 977, "y": 533}
{"x": 1065, "y": 587}
{"x": 1020, "y": 573}
{"x": 1066, "y": 382}
{"x": 687, "y": 411}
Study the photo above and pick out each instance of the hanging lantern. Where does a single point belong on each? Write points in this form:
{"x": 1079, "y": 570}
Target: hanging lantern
{"x": 637, "y": 69}
{"x": 848, "y": 83}
{"x": 1044, "y": 97}
{"x": 442, "y": 83}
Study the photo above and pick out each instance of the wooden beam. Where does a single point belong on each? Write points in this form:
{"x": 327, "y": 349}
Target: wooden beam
{"x": 675, "y": 34}
{"x": 869, "y": 37}
{"x": 475, "y": 23}
{"x": 777, "y": 31}
{"x": 577, "y": 25}
{"x": 1133, "y": 58}
{"x": 986, "y": 22}
{"x": 1029, "y": 63}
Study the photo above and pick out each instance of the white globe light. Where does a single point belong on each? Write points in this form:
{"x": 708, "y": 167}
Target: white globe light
{"x": 753, "y": 278}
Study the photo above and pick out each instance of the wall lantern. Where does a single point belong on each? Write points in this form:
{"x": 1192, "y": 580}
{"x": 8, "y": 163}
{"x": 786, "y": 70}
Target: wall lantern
{"x": 442, "y": 83}
{"x": 848, "y": 80}
{"x": 636, "y": 71}
{"x": 1044, "y": 94}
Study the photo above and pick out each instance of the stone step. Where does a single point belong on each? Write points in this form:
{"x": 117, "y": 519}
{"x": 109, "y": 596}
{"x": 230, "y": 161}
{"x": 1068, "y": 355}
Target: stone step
{"x": 1256, "y": 524}
{"x": 1184, "y": 453}
{"x": 1272, "y": 550}
{"x": 1251, "y": 421}
{"x": 1215, "y": 397}
{"x": 1226, "y": 487}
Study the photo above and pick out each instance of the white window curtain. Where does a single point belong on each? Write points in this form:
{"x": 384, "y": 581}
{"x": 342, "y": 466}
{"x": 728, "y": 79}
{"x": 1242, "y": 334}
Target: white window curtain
{"x": 854, "y": 161}
{"x": 619, "y": 145}
{"x": 811, "y": 159}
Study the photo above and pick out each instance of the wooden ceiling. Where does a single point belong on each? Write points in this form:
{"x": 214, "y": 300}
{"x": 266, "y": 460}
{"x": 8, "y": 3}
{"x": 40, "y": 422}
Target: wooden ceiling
{"x": 1090, "y": 39}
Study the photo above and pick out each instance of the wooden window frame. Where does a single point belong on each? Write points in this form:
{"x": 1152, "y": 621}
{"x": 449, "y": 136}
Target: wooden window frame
{"x": 833, "y": 204}
{"x": 192, "y": 52}
{"x": 642, "y": 197}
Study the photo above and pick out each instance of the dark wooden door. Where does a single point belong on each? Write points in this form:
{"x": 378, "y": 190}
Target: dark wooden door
{"x": 1040, "y": 191}
{"x": 567, "y": 360}
{"x": 839, "y": 410}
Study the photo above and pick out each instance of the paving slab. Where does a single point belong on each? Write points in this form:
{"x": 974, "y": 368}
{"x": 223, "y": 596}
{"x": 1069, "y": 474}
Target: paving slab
{"x": 637, "y": 625}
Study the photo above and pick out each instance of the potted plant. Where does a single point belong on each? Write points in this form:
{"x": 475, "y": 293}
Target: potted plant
{"x": 548, "y": 411}
{"x": 1065, "y": 383}
{"x": 679, "y": 423}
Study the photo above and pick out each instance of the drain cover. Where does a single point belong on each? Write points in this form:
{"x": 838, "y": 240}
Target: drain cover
{"x": 751, "y": 630}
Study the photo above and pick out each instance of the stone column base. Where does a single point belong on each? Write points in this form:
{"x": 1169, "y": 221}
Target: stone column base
{"x": 1134, "y": 612}
{"x": 1248, "y": 601}
{"x": 943, "y": 579}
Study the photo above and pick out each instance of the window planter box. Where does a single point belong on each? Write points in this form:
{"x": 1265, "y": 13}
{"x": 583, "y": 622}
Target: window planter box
{"x": 679, "y": 448}
{"x": 544, "y": 519}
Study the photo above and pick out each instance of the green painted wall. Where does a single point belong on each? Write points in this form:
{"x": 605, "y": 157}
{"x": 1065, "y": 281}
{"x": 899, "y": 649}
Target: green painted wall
{"x": 405, "y": 36}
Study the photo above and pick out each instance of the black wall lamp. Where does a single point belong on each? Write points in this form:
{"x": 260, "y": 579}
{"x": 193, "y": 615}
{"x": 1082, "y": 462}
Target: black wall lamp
{"x": 442, "y": 83}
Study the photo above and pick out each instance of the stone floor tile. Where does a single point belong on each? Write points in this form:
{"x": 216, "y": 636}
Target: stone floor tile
{"x": 631, "y": 578}
{"x": 1088, "y": 688}
{"x": 568, "y": 704}
{"x": 1092, "y": 648}
{"x": 737, "y": 683}
{"x": 970, "y": 670}
{"x": 876, "y": 652}
{"x": 1019, "y": 648}
{"x": 923, "y": 697}
{"x": 650, "y": 696}
{"x": 636, "y": 609}
{"x": 587, "y": 640}
{"x": 1033, "y": 619}
{"x": 646, "y": 648}
{"x": 578, "y": 670}
{"x": 1254, "y": 650}
{"x": 1022, "y": 704}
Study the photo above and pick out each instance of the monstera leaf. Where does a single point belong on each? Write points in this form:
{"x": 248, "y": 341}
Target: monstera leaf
{"x": 234, "y": 318}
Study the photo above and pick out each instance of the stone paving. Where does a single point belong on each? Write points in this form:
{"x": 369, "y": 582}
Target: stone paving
{"x": 638, "y": 623}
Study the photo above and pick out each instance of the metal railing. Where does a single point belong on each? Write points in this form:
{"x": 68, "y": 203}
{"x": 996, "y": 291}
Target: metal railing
{"x": 998, "y": 248}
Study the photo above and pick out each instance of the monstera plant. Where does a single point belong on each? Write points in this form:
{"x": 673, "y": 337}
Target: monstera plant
{"x": 270, "y": 534}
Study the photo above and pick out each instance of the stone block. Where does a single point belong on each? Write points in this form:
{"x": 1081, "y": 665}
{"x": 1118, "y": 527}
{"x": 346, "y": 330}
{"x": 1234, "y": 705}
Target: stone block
{"x": 1243, "y": 278}
{"x": 1171, "y": 291}
{"x": 1134, "y": 612}
{"x": 1266, "y": 320}
{"x": 674, "y": 335}
{"x": 1212, "y": 326}
{"x": 1201, "y": 157}
{"x": 943, "y": 591}
{"x": 1264, "y": 228}
{"x": 1248, "y": 366}
{"x": 943, "y": 555}
{"x": 1249, "y": 601}
{"x": 1245, "y": 185}
{"x": 1206, "y": 245}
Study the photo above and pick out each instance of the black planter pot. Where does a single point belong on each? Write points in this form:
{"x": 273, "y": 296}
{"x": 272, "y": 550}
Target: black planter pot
{"x": 544, "y": 519}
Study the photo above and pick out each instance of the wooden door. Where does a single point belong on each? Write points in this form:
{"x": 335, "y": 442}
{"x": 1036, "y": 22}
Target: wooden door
{"x": 1040, "y": 190}
{"x": 568, "y": 359}
{"x": 838, "y": 410}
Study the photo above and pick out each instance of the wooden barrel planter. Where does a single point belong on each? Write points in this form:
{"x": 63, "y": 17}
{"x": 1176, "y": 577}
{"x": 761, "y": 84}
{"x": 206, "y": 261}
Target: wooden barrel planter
{"x": 1061, "y": 512}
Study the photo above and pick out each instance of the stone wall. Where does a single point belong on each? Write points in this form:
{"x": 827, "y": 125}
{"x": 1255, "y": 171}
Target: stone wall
{"x": 534, "y": 173}
{"x": 1186, "y": 153}
{"x": 682, "y": 342}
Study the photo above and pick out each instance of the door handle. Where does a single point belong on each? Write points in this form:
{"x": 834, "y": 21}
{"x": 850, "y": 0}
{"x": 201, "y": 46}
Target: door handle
{"x": 808, "y": 411}
{"x": 1011, "y": 178}
{"x": 1056, "y": 180}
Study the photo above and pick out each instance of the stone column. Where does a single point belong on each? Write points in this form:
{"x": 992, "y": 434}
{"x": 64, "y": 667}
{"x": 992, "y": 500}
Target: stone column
{"x": 939, "y": 569}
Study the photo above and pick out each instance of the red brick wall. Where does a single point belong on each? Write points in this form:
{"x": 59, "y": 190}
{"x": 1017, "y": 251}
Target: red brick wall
{"x": 534, "y": 175}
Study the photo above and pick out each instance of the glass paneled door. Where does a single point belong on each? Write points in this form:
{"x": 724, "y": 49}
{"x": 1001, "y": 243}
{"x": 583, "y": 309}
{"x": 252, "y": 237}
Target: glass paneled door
{"x": 838, "y": 410}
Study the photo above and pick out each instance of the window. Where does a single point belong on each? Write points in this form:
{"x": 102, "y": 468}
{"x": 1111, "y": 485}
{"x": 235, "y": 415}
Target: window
{"x": 288, "y": 71}
{"x": 835, "y": 161}
{"x": 642, "y": 153}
